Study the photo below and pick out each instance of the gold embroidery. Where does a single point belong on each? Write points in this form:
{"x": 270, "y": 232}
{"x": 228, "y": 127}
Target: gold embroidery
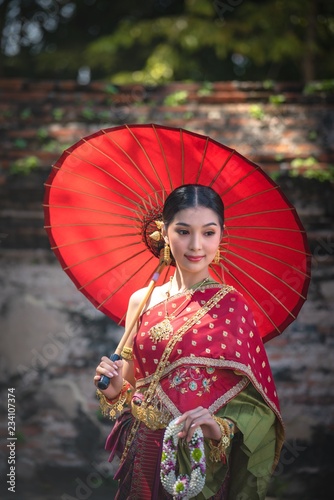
{"x": 113, "y": 408}
{"x": 218, "y": 452}
{"x": 164, "y": 329}
{"x": 154, "y": 417}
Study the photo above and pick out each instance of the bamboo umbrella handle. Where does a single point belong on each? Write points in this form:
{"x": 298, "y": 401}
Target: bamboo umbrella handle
{"x": 127, "y": 333}
{"x": 104, "y": 380}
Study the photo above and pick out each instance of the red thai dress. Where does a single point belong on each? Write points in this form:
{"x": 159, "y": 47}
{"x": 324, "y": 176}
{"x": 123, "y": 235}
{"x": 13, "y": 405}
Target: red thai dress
{"x": 219, "y": 363}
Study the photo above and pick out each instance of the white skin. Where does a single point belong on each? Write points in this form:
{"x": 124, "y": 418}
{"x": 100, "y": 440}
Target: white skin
{"x": 193, "y": 236}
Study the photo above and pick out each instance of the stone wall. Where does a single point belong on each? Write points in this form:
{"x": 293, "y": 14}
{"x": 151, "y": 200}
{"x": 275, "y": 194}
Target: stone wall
{"x": 51, "y": 336}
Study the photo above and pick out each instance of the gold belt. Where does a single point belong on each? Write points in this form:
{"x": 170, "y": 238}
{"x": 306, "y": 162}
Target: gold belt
{"x": 151, "y": 416}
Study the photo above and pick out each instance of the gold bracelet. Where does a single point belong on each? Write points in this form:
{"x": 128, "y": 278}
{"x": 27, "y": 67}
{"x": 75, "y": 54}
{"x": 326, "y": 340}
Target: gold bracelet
{"x": 127, "y": 353}
{"x": 218, "y": 452}
{"x": 232, "y": 426}
{"x": 112, "y": 408}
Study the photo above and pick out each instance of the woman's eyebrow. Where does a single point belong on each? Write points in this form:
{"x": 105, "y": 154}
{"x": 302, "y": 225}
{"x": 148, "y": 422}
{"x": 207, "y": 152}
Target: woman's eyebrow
{"x": 188, "y": 225}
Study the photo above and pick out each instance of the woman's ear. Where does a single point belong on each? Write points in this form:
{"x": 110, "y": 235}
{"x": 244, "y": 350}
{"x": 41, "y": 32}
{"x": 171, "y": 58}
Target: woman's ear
{"x": 222, "y": 232}
{"x": 164, "y": 233}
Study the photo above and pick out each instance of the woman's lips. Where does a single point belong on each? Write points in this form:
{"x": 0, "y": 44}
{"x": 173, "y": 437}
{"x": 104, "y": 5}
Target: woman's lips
{"x": 193, "y": 258}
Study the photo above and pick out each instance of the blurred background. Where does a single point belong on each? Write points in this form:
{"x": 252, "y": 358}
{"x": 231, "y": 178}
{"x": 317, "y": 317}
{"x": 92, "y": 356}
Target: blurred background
{"x": 160, "y": 41}
{"x": 256, "y": 76}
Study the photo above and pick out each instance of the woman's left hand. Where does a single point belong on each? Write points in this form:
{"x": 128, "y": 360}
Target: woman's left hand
{"x": 199, "y": 417}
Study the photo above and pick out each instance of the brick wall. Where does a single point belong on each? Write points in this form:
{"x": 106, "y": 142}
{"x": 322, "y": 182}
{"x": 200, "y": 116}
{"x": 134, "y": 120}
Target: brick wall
{"x": 39, "y": 119}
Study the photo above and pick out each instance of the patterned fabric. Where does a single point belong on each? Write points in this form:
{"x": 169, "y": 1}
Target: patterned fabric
{"x": 211, "y": 366}
{"x": 224, "y": 349}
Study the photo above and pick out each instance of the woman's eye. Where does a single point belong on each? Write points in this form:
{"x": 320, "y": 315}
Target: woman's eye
{"x": 210, "y": 233}
{"x": 182, "y": 231}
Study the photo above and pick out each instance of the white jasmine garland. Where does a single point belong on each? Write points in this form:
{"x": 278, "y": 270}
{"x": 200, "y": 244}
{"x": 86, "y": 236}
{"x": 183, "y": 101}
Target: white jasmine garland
{"x": 183, "y": 486}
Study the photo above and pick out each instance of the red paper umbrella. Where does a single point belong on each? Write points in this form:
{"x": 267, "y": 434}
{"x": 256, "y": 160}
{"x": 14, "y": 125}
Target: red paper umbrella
{"x": 105, "y": 193}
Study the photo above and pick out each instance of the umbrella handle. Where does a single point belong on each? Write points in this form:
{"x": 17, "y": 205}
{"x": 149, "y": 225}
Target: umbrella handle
{"x": 104, "y": 380}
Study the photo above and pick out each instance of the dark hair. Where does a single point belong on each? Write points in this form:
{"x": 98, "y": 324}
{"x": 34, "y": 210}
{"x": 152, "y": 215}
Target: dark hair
{"x": 190, "y": 196}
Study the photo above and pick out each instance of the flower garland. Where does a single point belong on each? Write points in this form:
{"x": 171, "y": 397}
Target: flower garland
{"x": 182, "y": 487}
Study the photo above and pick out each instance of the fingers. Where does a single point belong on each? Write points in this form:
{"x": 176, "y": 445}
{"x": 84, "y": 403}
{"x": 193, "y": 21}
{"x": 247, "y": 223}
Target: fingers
{"x": 108, "y": 368}
{"x": 199, "y": 417}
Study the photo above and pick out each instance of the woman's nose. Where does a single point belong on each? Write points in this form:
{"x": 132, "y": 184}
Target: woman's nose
{"x": 195, "y": 242}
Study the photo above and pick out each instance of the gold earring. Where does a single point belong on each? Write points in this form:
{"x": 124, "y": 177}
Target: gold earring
{"x": 216, "y": 259}
{"x": 167, "y": 258}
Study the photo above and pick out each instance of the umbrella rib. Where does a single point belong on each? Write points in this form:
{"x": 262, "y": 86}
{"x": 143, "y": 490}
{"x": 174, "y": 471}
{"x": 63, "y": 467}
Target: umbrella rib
{"x": 269, "y": 228}
{"x": 148, "y": 159}
{"x": 112, "y": 268}
{"x": 124, "y": 283}
{"x": 262, "y": 212}
{"x": 77, "y": 242}
{"x": 69, "y": 207}
{"x": 110, "y": 158}
{"x": 253, "y": 298}
{"x": 286, "y": 247}
{"x": 71, "y": 190}
{"x": 254, "y": 195}
{"x": 261, "y": 286}
{"x": 251, "y": 172}
{"x": 63, "y": 169}
{"x": 267, "y": 272}
{"x": 222, "y": 168}
{"x": 151, "y": 206}
{"x": 107, "y": 270}
{"x": 182, "y": 156}
{"x": 202, "y": 160}
{"x": 92, "y": 257}
{"x": 165, "y": 159}
{"x": 88, "y": 162}
{"x": 139, "y": 170}
{"x": 270, "y": 257}
{"x": 87, "y": 224}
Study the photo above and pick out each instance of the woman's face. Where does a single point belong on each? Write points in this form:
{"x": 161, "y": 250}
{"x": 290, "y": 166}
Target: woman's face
{"x": 194, "y": 236}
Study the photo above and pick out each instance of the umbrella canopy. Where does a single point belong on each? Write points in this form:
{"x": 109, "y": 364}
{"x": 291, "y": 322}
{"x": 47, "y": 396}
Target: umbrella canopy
{"x": 105, "y": 193}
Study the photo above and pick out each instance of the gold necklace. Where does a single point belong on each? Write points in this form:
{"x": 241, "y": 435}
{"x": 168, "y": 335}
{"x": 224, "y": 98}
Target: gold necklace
{"x": 164, "y": 329}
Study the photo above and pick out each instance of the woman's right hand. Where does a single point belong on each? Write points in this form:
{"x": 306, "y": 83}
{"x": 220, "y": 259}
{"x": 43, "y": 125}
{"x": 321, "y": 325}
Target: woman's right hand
{"x": 114, "y": 371}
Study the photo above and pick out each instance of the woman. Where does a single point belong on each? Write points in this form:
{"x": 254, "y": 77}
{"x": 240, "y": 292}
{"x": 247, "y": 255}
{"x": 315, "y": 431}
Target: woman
{"x": 196, "y": 357}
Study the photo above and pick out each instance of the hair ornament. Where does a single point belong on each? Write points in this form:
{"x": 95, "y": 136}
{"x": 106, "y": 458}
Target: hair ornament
{"x": 157, "y": 235}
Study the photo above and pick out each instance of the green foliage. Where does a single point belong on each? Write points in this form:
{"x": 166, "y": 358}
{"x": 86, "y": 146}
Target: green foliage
{"x": 268, "y": 84}
{"x": 319, "y": 86}
{"x": 111, "y": 89}
{"x": 58, "y": 114}
{"x": 20, "y": 143}
{"x": 42, "y": 133}
{"x": 24, "y": 165}
{"x": 256, "y": 111}
{"x": 88, "y": 113}
{"x": 25, "y": 114}
{"x": 277, "y": 99}
{"x": 53, "y": 146}
{"x": 300, "y": 163}
{"x": 309, "y": 168}
{"x": 312, "y": 135}
{"x": 154, "y": 42}
{"x": 205, "y": 90}
{"x": 176, "y": 98}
